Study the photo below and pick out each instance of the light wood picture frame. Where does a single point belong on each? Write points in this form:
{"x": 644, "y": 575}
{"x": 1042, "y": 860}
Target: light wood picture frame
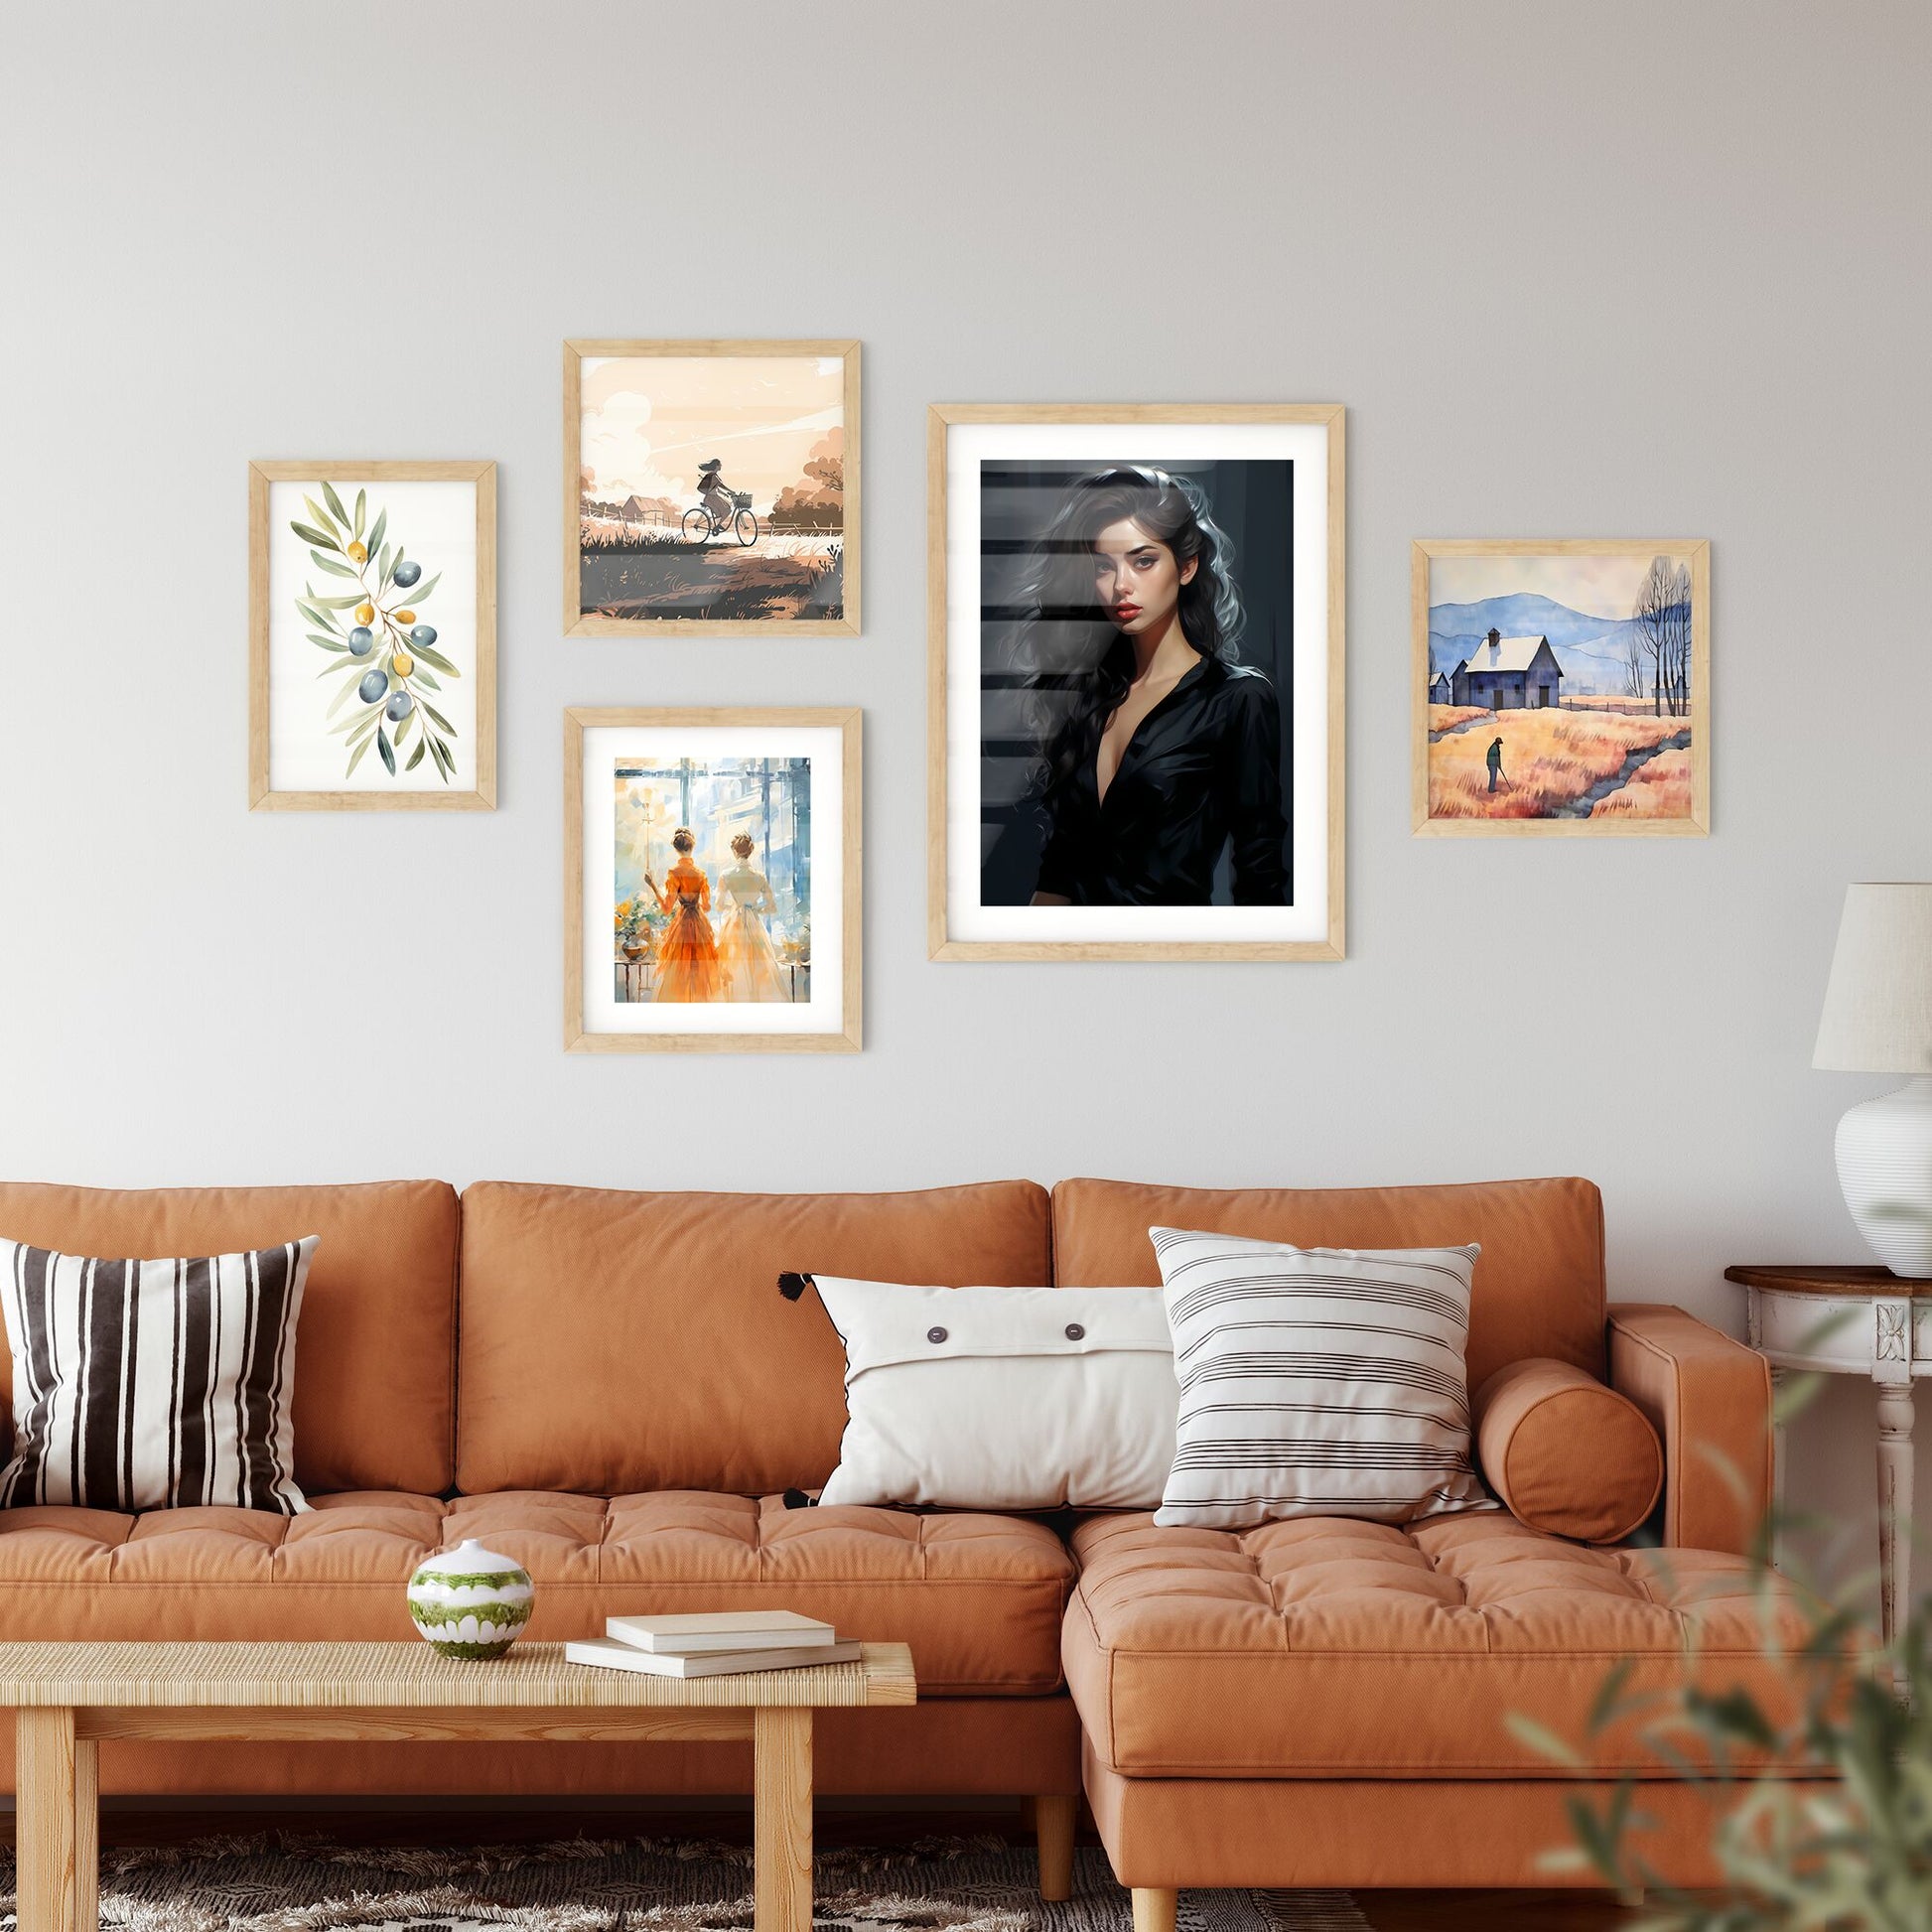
{"x": 433, "y": 540}
{"x": 726, "y": 929}
{"x": 1561, "y": 687}
{"x": 712, "y": 487}
{"x": 1283, "y": 467}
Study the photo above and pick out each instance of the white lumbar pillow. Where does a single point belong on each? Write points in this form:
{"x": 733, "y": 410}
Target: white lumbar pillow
{"x": 1003, "y": 1397}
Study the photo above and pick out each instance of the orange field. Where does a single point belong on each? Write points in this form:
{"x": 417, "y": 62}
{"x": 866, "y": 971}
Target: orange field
{"x": 1446, "y": 717}
{"x": 1659, "y": 790}
{"x": 1551, "y": 758}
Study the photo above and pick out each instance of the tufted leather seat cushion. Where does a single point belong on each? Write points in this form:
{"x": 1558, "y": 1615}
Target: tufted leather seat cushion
{"x": 978, "y": 1597}
{"x": 1328, "y": 1648}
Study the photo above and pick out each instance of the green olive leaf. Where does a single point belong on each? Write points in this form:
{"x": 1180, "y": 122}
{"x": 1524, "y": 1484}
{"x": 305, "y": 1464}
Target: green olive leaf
{"x": 333, "y": 501}
{"x": 387, "y": 749}
{"x": 361, "y": 503}
{"x": 431, "y": 655}
{"x": 327, "y": 643}
{"x": 422, "y": 677}
{"x": 310, "y": 534}
{"x": 339, "y": 603}
{"x": 377, "y": 535}
{"x": 421, "y": 590}
{"x": 440, "y": 719}
{"x": 360, "y": 753}
{"x": 416, "y": 757}
{"x": 320, "y": 516}
{"x": 333, "y": 569}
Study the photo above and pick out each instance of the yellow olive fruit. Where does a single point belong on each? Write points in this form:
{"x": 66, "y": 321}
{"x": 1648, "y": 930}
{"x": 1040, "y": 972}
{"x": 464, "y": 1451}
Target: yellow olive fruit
{"x": 401, "y": 663}
{"x": 405, "y": 617}
{"x": 359, "y": 553}
{"x": 365, "y": 614}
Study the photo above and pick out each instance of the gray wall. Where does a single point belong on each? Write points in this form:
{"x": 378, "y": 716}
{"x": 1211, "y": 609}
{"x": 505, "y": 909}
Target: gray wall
{"x": 1633, "y": 269}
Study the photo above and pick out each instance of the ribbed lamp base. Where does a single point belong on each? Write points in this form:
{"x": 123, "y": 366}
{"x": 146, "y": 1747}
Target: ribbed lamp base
{"x": 1884, "y": 1165}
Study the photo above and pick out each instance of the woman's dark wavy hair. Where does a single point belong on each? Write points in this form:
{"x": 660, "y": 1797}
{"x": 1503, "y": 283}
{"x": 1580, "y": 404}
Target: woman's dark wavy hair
{"x": 1077, "y": 662}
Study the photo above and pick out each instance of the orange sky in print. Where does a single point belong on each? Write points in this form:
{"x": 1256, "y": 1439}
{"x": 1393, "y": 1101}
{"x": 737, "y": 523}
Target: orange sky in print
{"x": 649, "y": 421}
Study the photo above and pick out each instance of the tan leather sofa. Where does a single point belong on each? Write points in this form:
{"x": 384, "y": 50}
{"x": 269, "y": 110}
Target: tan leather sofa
{"x": 608, "y": 1387}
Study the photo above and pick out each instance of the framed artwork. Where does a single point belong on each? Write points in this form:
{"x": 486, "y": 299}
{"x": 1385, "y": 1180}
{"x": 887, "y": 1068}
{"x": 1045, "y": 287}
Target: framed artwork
{"x": 711, "y": 487}
{"x": 712, "y": 881}
{"x": 371, "y": 637}
{"x": 1562, "y": 687}
{"x": 1134, "y": 681}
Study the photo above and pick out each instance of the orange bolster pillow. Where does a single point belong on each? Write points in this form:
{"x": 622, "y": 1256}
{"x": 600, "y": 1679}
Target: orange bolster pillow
{"x": 1566, "y": 1455}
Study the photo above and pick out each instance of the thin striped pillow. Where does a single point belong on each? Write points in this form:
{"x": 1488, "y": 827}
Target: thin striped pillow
{"x": 153, "y": 1384}
{"x": 1316, "y": 1381}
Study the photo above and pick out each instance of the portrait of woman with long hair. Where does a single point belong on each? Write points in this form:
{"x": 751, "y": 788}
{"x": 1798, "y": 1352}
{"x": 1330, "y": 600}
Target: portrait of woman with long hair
{"x": 1156, "y": 749}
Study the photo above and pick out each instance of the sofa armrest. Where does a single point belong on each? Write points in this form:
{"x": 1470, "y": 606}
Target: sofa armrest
{"x": 1709, "y": 1400}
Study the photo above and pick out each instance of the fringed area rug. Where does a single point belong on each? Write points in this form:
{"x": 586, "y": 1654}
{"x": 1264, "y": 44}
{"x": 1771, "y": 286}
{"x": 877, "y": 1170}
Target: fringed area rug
{"x": 282, "y": 1882}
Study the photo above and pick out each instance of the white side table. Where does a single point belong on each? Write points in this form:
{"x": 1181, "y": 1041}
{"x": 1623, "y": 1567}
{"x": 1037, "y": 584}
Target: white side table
{"x": 1853, "y": 1321}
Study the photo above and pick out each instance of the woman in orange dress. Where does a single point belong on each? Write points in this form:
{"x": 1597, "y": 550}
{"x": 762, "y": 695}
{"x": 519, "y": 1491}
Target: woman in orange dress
{"x": 687, "y": 953}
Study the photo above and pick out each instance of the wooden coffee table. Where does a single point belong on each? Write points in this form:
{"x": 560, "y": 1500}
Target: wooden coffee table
{"x": 68, "y": 1697}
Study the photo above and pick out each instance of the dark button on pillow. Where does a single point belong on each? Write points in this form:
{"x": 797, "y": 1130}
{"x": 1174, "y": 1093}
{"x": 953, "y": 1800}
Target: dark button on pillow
{"x": 1074, "y": 1332}
{"x": 935, "y": 1335}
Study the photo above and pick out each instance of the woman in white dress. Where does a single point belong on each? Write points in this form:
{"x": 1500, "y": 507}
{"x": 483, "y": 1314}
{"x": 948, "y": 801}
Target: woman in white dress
{"x": 746, "y": 955}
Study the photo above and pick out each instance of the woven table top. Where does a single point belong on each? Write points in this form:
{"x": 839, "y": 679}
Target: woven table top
{"x": 411, "y": 1676}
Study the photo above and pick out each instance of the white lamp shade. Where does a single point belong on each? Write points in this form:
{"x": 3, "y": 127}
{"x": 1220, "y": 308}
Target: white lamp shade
{"x": 1878, "y": 1016}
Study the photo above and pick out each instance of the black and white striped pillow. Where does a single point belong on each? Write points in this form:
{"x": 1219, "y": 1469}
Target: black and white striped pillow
{"x": 153, "y": 1384}
{"x": 1316, "y": 1381}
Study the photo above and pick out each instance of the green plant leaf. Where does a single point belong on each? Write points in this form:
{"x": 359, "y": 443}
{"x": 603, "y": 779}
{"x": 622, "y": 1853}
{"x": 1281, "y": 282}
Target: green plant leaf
{"x": 327, "y": 643}
{"x": 403, "y": 729}
{"x": 339, "y": 603}
{"x": 332, "y": 568}
{"x": 335, "y": 502}
{"x": 311, "y": 612}
{"x": 416, "y": 757}
{"x": 419, "y": 591}
{"x": 439, "y": 718}
{"x": 431, "y": 655}
{"x": 362, "y": 504}
{"x": 387, "y": 749}
{"x": 320, "y": 517}
{"x": 340, "y": 698}
{"x": 310, "y": 534}
{"x": 389, "y": 568}
{"x": 356, "y": 756}
{"x": 376, "y": 534}
{"x": 422, "y": 677}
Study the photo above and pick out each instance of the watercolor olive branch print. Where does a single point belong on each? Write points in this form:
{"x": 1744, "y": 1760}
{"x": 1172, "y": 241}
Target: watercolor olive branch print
{"x": 388, "y": 658}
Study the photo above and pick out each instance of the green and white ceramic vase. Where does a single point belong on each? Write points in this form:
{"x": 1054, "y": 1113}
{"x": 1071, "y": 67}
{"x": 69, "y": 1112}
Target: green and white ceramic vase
{"x": 470, "y": 1602}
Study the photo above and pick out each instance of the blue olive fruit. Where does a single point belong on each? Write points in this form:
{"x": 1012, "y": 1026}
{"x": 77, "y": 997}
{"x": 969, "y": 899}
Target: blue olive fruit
{"x": 424, "y": 633}
{"x": 373, "y": 684}
{"x": 400, "y": 705}
{"x": 408, "y": 573}
{"x": 361, "y": 640}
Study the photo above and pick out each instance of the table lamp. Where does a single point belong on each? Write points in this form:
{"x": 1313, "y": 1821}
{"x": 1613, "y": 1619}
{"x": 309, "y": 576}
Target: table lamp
{"x": 1877, "y": 1019}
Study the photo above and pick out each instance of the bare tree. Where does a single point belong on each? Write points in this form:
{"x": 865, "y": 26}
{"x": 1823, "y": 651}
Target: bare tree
{"x": 1678, "y": 639}
{"x": 1660, "y": 632}
{"x": 1633, "y": 660}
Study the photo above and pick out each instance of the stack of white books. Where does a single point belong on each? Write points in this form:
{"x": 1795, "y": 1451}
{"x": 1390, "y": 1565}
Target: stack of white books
{"x": 712, "y": 1644}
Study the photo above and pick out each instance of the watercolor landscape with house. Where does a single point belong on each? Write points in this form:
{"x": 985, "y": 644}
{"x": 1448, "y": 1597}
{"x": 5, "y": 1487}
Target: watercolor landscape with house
{"x": 1562, "y": 687}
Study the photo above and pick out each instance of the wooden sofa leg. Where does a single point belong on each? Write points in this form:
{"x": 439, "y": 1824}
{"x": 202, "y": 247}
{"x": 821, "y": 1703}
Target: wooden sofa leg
{"x": 1054, "y": 1833}
{"x": 1154, "y": 1908}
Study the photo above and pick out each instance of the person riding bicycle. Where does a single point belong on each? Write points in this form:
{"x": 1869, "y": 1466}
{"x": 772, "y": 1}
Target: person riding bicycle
{"x": 715, "y": 494}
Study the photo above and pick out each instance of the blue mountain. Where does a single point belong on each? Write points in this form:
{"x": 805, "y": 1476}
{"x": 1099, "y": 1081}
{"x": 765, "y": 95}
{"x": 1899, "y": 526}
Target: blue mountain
{"x": 1590, "y": 649}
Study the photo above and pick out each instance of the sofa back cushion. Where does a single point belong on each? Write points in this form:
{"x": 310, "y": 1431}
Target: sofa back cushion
{"x": 376, "y": 1338}
{"x": 1539, "y": 1286}
{"x": 618, "y": 1342}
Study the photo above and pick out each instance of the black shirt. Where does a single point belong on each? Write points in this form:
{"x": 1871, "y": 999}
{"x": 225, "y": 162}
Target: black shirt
{"x": 1204, "y": 767}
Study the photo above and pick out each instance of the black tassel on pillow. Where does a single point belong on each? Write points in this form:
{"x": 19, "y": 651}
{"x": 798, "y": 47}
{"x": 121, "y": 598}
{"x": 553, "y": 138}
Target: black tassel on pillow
{"x": 791, "y": 1286}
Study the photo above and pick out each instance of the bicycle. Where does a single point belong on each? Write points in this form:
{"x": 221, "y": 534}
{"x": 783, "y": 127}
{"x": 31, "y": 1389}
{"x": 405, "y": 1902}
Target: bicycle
{"x": 700, "y": 526}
